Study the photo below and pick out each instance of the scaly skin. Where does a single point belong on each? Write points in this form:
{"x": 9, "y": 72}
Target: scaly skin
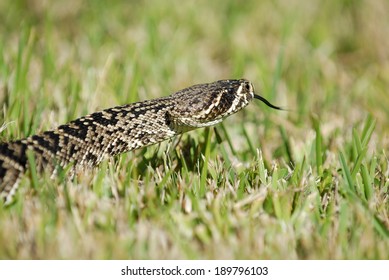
{"x": 84, "y": 142}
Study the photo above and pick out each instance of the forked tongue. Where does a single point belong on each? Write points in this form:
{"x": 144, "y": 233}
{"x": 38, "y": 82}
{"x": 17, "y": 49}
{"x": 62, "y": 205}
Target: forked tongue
{"x": 267, "y": 102}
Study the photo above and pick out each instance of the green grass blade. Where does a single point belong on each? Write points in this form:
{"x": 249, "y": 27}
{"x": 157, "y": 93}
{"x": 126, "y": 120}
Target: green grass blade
{"x": 318, "y": 147}
{"x": 358, "y": 163}
{"x": 32, "y": 167}
{"x": 367, "y": 184}
{"x": 204, "y": 170}
{"x": 368, "y": 130}
{"x": 346, "y": 173}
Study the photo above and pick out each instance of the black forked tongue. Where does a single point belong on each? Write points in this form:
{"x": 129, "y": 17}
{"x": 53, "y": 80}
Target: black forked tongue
{"x": 267, "y": 102}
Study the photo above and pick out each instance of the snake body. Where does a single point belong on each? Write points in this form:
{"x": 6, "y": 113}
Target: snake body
{"x": 86, "y": 141}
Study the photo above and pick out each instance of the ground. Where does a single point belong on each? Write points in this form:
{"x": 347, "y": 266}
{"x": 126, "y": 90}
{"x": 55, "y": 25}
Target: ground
{"x": 307, "y": 183}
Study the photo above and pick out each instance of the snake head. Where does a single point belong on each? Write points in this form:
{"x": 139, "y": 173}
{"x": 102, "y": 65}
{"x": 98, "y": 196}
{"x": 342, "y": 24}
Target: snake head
{"x": 208, "y": 104}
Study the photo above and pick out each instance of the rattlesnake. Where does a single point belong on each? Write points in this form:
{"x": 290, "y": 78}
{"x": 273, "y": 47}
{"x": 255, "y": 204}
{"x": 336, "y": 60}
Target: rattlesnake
{"x": 86, "y": 141}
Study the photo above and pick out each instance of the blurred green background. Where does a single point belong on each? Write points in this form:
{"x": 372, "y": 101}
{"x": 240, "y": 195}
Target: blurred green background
{"x": 325, "y": 57}
{"x": 325, "y": 61}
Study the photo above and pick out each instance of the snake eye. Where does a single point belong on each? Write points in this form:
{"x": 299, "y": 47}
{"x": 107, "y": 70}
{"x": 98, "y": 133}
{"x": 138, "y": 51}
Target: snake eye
{"x": 247, "y": 86}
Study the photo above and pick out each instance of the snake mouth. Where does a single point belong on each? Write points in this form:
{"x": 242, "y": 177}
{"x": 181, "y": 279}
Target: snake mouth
{"x": 267, "y": 102}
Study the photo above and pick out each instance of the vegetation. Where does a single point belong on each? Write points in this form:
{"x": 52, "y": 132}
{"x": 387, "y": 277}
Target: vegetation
{"x": 308, "y": 183}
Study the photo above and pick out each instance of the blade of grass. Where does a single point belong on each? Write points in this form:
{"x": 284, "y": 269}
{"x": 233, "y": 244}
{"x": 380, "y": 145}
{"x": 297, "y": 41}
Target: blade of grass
{"x": 368, "y": 186}
{"x": 346, "y": 174}
{"x": 206, "y": 157}
{"x": 368, "y": 130}
{"x": 358, "y": 163}
{"x": 227, "y": 138}
{"x": 32, "y": 168}
{"x": 318, "y": 147}
{"x": 285, "y": 140}
{"x": 248, "y": 140}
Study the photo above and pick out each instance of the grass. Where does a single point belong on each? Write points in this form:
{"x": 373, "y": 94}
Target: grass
{"x": 309, "y": 183}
